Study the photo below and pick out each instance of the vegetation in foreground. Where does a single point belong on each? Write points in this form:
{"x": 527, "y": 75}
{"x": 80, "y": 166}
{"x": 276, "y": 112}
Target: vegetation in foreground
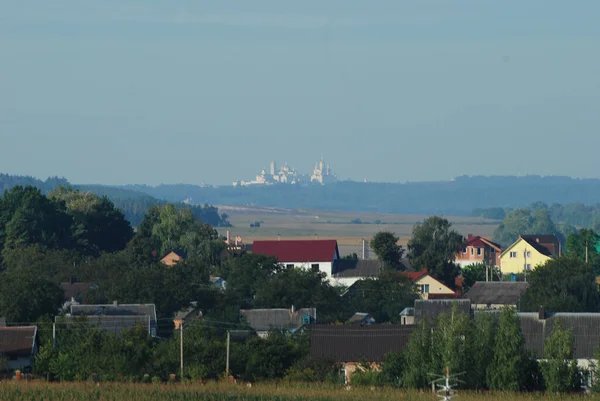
{"x": 235, "y": 392}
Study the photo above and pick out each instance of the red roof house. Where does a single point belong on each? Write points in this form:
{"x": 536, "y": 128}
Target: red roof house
{"x": 314, "y": 254}
{"x": 478, "y": 250}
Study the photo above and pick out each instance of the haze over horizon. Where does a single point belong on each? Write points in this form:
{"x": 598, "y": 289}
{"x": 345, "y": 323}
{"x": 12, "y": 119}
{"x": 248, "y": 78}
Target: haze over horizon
{"x": 132, "y": 92}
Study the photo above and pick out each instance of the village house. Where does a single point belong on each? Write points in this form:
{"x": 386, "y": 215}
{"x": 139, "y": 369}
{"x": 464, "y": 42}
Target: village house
{"x": 19, "y": 345}
{"x": 346, "y": 272}
{"x": 264, "y": 321}
{"x": 173, "y": 256}
{"x": 529, "y": 251}
{"x": 496, "y": 294}
{"x": 318, "y": 255}
{"x": 428, "y": 286}
{"x": 478, "y": 250}
{"x": 350, "y": 345}
{"x": 114, "y": 318}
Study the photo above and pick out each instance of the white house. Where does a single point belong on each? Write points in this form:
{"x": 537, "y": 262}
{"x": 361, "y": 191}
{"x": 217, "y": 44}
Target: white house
{"x": 310, "y": 254}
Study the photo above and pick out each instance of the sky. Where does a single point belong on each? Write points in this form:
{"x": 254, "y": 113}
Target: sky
{"x": 190, "y": 91}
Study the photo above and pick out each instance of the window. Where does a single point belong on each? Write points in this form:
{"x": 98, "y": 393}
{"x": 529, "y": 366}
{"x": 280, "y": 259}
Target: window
{"x": 289, "y": 266}
{"x": 513, "y": 255}
{"x": 424, "y": 288}
{"x": 464, "y": 250}
{"x": 527, "y": 267}
{"x": 471, "y": 251}
{"x": 492, "y": 250}
{"x": 315, "y": 267}
{"x": 527, "y": 254}
{"x": 478, "y": 251}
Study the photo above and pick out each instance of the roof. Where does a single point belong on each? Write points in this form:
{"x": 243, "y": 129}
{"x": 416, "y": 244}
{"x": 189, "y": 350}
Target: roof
{"x": 360, "y": 317}
{"x": 431, "y": 308}
{"x": 17, "y": 340}
{"x": 415, "y": 276}
{"x": 72, "y": 290}
{"x": 481, "y": 242}
{"x": 585, "y": 328}
{"x": 496, "y": 292}
{"x": 112, "y": 324}
{"x": 273, "y": 319}
{"x": 179, "y": 252}
{"x": 546, "y": 244}
{"x": 352, "y": 343}
{"x": 115, "y": 310}
{"x": 357, "y": 268}
{"x": 298, "y": 250}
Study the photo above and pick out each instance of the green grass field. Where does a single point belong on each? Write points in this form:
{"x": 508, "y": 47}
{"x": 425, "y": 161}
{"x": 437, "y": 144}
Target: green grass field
{"x": 291, "y": 224}
{"x": 41, "y": 391}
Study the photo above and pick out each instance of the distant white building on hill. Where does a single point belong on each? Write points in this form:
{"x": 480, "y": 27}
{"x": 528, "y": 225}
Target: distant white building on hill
{"x": 321, "y": 174}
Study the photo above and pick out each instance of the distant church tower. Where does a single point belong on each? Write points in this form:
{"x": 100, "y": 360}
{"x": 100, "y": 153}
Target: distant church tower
{"x": 272, "y": 167}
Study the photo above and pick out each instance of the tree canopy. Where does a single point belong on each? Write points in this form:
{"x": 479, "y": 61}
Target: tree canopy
{"x": 385, "y": 245}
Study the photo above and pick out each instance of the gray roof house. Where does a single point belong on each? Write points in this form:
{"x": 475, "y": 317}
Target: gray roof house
{"x": 264, "y": 321}
{"x": 116, "y": 317}
{"x": 346, "y": 272}
{"x": 496, "y": 294}
{"x": 19, "y": 345}
{"x": 431, "y": 308}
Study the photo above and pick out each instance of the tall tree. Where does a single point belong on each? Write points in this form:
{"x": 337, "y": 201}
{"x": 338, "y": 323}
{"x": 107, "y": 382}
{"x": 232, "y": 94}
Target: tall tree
{"x": 477, "y": 272}
{"x": 385, "y": 245}
{"x": 417, "y": 356}
{"x": 584, "y": 245}
{"x": 559, "y": 369}
{"x": 564, "y": 284}
{"x": 507, "y": 369}
{"x": 433, "y": 246}
{"x": 524, "y": 221}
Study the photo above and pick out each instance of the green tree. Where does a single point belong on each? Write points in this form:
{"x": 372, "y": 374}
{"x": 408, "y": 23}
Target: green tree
{"x": 417, "y": 356}
{"x": 559, "y": 369}
{"x": 25, "y": 296}
{"x": 385, "y": 245}
{"x": 483, "y": 340}
{"x": 97, "y": 225}
{"x": 245, "y": 275}
{"x": 383, "y": 298}
{"x": 564, "y": 284}
{"x": 522, "y": 222}
{"x": 433, "y": 246}
{"x": 477, "y": 272}
{"x": 507, "y": 368}
{"x": 584, "y": 245}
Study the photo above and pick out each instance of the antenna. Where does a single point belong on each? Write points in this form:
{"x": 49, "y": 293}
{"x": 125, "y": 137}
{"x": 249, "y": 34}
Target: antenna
{"x": 445, "y": 391}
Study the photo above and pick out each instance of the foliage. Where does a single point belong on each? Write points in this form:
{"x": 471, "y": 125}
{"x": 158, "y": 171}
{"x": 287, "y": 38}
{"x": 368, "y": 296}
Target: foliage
{"x": 493, "y": 213}
{"x": 524, "y": 221}
{"x": 417, "y": 356}
{"x": 477, "y": 272}
{"x": 507, "y": 368}
{"x": 559, "y": 369}
{"x": 564, "y": 284}
{"x": 585, "y": 242}
{"x": 383, "y": 298}
{"x": 385, "y": 245}
{"x": 433, "y": 246}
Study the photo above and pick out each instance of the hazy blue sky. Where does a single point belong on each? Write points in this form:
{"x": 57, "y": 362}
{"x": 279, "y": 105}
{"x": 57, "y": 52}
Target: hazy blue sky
{"x": 166, "y": 91}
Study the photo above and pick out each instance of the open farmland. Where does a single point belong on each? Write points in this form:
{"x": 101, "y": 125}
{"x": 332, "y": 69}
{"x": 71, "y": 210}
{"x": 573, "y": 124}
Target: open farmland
{"x": 11, "y": 391}
{"x": 347, "y": 227}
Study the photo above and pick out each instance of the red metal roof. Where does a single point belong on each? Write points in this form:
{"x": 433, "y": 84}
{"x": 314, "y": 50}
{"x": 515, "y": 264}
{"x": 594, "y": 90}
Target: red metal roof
{"x": 414, "y": 276}
{"x": 298, "y": 250}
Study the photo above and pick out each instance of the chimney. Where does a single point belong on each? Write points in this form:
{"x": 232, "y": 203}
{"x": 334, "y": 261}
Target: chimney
{"x": 541, "y": 313}
{"x": 278, "y": 237}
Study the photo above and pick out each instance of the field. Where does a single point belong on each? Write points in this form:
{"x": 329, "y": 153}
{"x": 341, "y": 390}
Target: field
{"x": 41, "y": 391}
{"x": 347, "y": 227}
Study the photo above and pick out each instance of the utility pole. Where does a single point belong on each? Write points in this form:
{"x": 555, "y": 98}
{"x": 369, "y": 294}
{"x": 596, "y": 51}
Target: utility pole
{"x": 53, "y": 335}
{"x": 181, "y": 348}
{"x": 227, "y": 363}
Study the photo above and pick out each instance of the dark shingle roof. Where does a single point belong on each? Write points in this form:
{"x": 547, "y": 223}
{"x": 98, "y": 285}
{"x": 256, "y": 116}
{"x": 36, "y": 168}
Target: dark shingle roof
{"x": 585, "y": 328}
{"x": 111, "y": 324}
{"x": 115, "y": 310}
{"x": 496, "y": 292}
{"x": 357, "y": 268}
{"x": 432, "y": 308}
{"x": 546, "y": 244}
{"x": 17, "y": 341}
{"x": 351, "y": 343}
{"x": 273, "y": 319}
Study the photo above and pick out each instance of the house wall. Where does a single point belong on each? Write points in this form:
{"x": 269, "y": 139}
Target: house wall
{"x": 325, "y": 267}
{"x": 20, "y": 363}
{"x": 171, "y": 259}
{"x": 517, "y": 264}
{"x": 435, "y": 287}
{"x": 488, "y": 255}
